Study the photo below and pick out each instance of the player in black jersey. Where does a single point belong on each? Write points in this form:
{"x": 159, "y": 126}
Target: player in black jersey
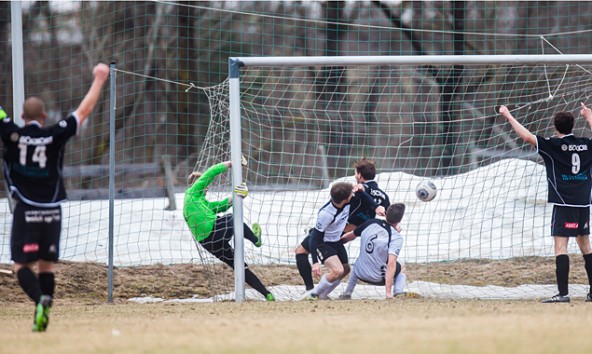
{"x": 33, "y": 159}
{"x": 365, "y": 172}
{"x": 568, "y": 162}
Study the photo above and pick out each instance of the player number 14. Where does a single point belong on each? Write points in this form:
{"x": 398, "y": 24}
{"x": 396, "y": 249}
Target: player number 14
{"x": 38, "y": 155}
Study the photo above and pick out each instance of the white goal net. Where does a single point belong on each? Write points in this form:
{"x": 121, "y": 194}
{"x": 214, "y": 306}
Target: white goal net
{"x": 304, "y": 126}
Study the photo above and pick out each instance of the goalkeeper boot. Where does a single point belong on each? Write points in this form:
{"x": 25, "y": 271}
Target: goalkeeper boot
{"x": 557, "y": 298}
{"x": 257, "y": 232}
{"x": 41, "y": 319}
{"x": 269, "y": 297}
{"x": 589, "y": 297}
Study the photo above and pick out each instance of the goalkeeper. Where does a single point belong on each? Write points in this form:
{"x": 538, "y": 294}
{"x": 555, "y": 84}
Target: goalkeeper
{"x": 212, "y": 232}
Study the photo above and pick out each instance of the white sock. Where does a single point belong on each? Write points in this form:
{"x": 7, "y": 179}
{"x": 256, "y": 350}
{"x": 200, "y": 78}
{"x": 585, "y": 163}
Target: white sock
{"x": 351, "y": 283}
{"x": 322, "y": 286}
{"x": 325, "y": 294}
{"x": 400, "y": 283}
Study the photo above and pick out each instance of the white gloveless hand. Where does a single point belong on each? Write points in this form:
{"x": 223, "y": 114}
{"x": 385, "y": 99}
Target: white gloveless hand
{"x": 242, "y": 190}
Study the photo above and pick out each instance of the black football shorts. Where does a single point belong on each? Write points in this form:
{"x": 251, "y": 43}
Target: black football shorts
{"x": 328, "y": 249}
{"x": 35, "y": 233}
{"x": 569, "y": 221}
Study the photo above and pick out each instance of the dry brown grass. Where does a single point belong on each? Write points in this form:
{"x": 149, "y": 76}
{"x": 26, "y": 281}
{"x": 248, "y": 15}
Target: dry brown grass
{"x": 88, "y": 281}
{"x": 355, "y": 326}
{"x": 82, "y": 321}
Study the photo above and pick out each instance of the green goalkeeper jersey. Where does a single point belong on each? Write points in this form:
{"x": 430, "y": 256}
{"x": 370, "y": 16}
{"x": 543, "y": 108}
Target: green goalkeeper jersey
{"x": 200, "y": 213}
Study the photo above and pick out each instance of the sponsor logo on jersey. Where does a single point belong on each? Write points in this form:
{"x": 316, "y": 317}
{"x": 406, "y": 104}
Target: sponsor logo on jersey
{"x": 376, "y": 193}
{"x": 574, "y": 147}
{"x": 27, "y": 140}
{"x": 571, "y": 225}
{"x": 14, "y": 137}
{"x": 582, "y": 176}
{"x": 31, "y": 247}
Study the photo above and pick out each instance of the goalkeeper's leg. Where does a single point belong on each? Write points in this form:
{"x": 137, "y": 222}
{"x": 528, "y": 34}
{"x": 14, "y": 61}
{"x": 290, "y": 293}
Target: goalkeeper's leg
{"x": 226, "y": 222}
{"x": 250, "y": 277}
{"x": 250, "y": 235}
{"x": 255, "y": 283}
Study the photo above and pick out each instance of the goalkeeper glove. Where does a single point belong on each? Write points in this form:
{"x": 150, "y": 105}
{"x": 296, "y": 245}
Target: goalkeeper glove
{"x": 243, "y": 160}
{"x": 242, "y": 190}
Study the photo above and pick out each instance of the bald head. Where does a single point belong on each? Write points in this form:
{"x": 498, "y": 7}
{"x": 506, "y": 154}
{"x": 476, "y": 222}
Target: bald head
{"x": 34, "y": 109}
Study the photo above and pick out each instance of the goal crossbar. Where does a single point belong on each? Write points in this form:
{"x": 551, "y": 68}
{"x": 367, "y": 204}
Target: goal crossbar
{"x": 236, "y": 62}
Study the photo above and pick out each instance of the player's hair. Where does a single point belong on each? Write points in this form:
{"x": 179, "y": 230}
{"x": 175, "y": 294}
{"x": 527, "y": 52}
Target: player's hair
{"x": 193, "y": 177}
{"x": 366, "y": 168}
{"x": 564, "y": 122}
{"x": 33, "y": 108}
{"x": 395, "y": 213}
{"x": 340, "y": 191}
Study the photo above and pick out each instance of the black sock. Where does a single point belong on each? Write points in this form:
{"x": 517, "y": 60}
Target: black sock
{"x": 562, "y": 273}
{"x": 47, "y": 282}
{"x": 30, "y": 283}
{"x": 305, "y": 270}
{"x": 249, "y": 235}
{"x": 588, "y": 266}
{"x": 255, "y": 283}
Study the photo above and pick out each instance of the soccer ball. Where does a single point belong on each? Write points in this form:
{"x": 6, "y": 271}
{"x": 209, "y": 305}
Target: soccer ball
{"x": 426, "y": 191}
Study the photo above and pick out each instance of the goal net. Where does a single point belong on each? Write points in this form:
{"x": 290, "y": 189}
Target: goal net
{"x": 304, "y": 124}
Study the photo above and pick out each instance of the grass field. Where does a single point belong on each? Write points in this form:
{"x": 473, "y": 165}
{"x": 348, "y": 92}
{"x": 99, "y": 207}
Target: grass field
{"x": 83, "y": 322}
{"x": 362, "y": 326}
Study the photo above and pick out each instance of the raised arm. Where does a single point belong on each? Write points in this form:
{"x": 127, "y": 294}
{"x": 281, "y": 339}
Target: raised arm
{"x": 586, "y": 113}
{"x": 522, "y": 132}
{"x": 100, "y": 72}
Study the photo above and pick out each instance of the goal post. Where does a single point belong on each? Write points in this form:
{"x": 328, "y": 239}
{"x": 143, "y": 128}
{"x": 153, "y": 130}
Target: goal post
{"x": 285, "y": 91}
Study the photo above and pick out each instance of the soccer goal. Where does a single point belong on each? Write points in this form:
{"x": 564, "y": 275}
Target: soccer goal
{"x": 303, "y": 122}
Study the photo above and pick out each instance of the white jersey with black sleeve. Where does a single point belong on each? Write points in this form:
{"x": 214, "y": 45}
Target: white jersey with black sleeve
{"x": 378, "y": 239}
{"x": 331, "y": 221}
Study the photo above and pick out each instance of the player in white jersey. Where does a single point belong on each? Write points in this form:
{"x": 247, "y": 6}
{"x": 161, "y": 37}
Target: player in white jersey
{"x": 324, "y": 240}
{"x": 380, "y": 246}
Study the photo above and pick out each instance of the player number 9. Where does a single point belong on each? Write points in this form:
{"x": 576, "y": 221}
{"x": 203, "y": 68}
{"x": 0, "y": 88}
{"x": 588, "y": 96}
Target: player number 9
{"x": 575, "y": 164}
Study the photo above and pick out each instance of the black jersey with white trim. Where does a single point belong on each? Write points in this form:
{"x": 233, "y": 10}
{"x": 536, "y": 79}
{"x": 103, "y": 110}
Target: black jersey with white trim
{"x": 361, "y": 214}
{"x": 568, "y": 161}
{"x": 33, "y": 160}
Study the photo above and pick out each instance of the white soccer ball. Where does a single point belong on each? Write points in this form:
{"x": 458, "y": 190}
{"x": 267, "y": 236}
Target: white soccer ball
{"x": 426, "y": 191}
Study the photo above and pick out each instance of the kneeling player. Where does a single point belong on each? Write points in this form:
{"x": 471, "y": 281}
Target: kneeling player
{"x": 380, "y": 245}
